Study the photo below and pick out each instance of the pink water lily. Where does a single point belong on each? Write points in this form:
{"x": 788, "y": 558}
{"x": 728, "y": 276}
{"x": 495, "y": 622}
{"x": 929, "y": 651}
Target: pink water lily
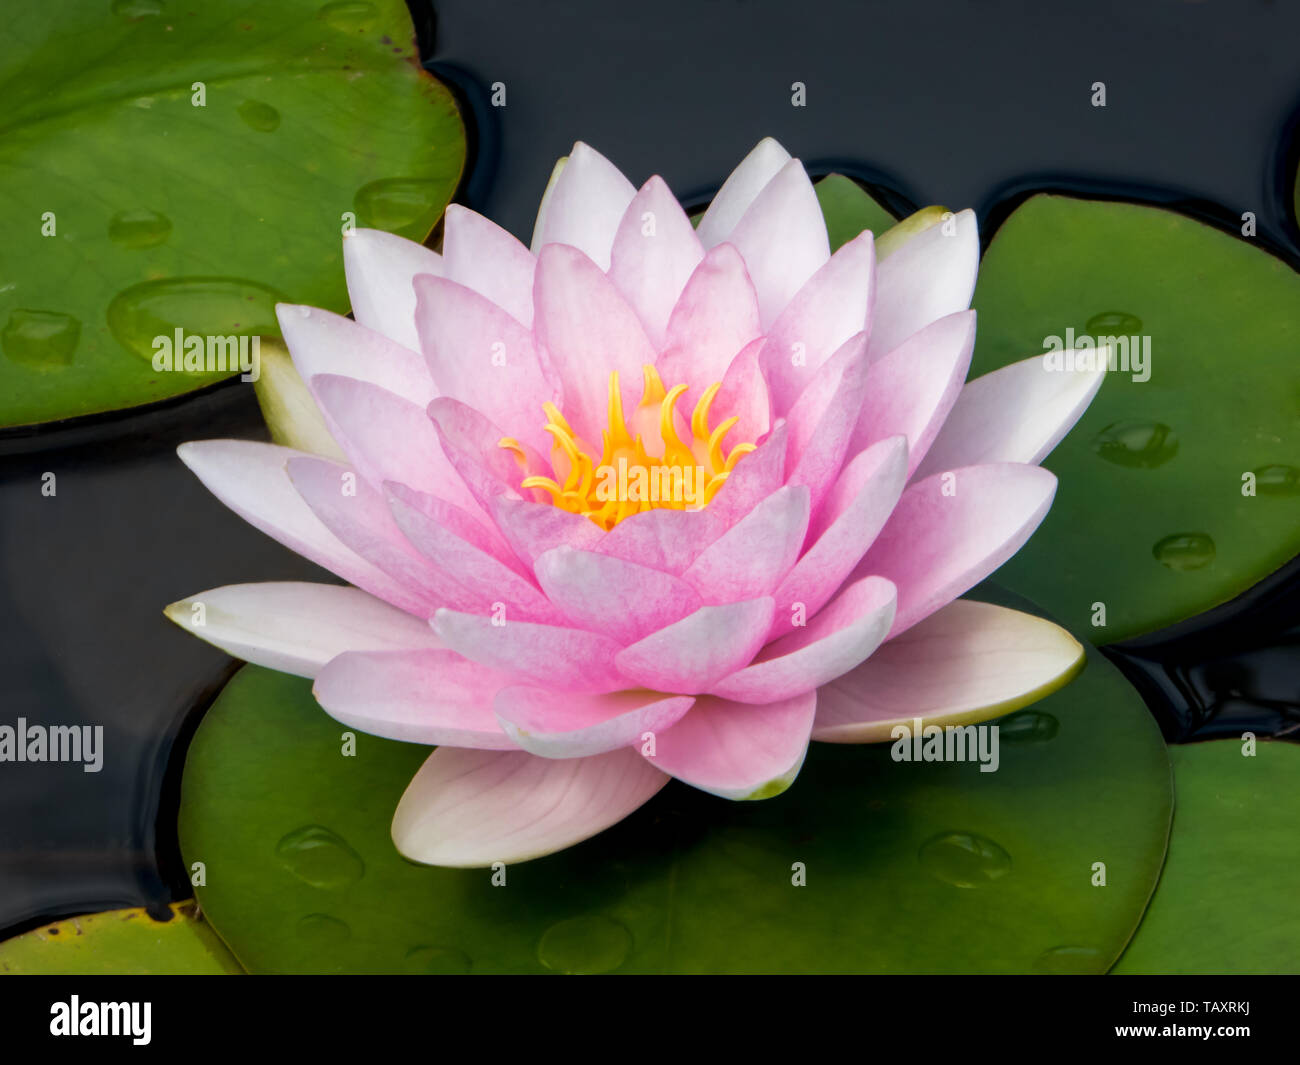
{"x": 645, "y": 501}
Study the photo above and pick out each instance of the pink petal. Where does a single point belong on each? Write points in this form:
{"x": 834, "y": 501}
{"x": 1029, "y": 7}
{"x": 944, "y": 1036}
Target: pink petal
{"x": 589, "y": 331}
{"x": 380, "y": 268}
{"x": 822, "y": 421}
{"x": 446, "y": 538}
{"x": 744, "y": 394}
{"x": 852, "y": 515}
{"x": 358, "y": 515}
{"x": 479, "y": 254}
{"x": 613, "y": 596}
{"x": 736, "y": 750}
{"x": 834, "y": 305}
{"x": 783, "y": 239}
{"x": 755, "y": 477}
{"x": 965, "y": 663}
{"x": 547, "y": 655}
{"x": 480, "y": 355}
{"x": 585, "y": 206}
{"x": 325, "y": 343}
{"x": 740, "y": 190}
{"x": 655, "y": 252}
{"x": 666, "y": 539}
{"x": 928, "y": 277}
{"x": 471, "y": 443}
{"x": 388, "y": 438}
{"x": 840, "y": 637}
{"x": 1016, "y": 414}
{"x": 468, "y": 809}
{"x": 952, "y": 530}
{"x": 912, "y": 389}
{"x": 750, "y": 558}
{"x": 432, "y": 697}
{"x": 716, "y": 316}
{"x": 250, "y": 478}
{"x": 695, "y": 653}
{"x": 295, "y": 627}
{"x": 532, "y": 529}
{"x": 563, "y": 725}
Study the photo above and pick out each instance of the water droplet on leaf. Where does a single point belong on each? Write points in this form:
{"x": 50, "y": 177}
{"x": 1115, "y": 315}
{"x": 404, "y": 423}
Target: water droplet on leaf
{"x": 964, "y": 859}
{"x": 1136, "y": 444}
{"x": 585, "y": 945}
{"x": 40, "y": 339}
{"x": 139, "y": 229}
{"x": 1185, "y": 551}
{"x": 320, "y": 857}
{"x": 259, "y": 116}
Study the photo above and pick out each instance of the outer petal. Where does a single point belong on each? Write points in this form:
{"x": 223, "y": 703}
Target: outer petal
{"x": 965, "y": 663}
{"x": 1016, "y": 414}
{"x": 740, "y": 190}
{"x": 715, "y": 318}
{"x": 832, "y": 306}
{"x": 783, "y": 239}
{"x": 585, "y": 206}
{"x": 695, "y": 653}
{"x": 471, "y": 808}
{"x": 480, "y": 355}
{"x": 655, "y": 252}
{"x": 380, "y": 268}
{"x": 251, "y": 479}
{"x": 288, "y": 408}
{"x": 546, "y": 655}
{"x": 912, "y": 389}
{"x": 840, "y": 637}
{"x": 952, "y": 530}
{"x": 931, "y": 275}
{"x": 479, "y": 254}
{"x": 610, "y": 595}
{"x": 297, "y": 627}
{"x": 433, "y": 697}
{"x": 563, "y": 725}
{"x": 325, "y": 343}
{"x": 736, "y": 750}
{"x": 589, "y": 331}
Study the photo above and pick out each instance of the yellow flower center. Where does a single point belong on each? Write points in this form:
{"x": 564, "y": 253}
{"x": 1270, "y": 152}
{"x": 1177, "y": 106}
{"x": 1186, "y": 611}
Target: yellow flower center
{"x": 628, "y": 480}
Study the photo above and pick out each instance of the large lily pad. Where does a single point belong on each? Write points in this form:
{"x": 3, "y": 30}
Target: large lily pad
{"x": 1226, "y": 899}
{"x": 910, "y": 867}
{"x": 132, "y": 211}
{"x": 120, "y": 943}
{"x": 849, "y": 209}
{"x": 1150, "y": 518}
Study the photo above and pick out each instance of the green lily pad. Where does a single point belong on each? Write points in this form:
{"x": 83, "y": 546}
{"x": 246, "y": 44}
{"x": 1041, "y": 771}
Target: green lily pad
{"x": 133, "y": 211}
{"x": 849, "y": 209}
{"x": 1150, "y": 518}
{"x": 121, "y": 943}
{"x": 1226, "y": 899}
{"x": 910, "y": 866}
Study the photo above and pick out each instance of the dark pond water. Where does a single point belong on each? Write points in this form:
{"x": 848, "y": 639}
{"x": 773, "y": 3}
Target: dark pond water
{"x": 953, "y": 102}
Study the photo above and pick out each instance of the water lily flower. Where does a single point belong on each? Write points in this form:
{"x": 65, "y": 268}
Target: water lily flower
{"x": 647, "y": 500}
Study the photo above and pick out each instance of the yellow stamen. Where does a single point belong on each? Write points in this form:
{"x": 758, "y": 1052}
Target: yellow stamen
{"x": 627, "y": 479}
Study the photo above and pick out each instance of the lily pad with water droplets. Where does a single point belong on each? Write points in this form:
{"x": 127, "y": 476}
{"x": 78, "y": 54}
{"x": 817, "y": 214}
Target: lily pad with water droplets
{"x": 1177, "y": 492}
{"x": 1226, "y": 898}
{"x": 171, "y": 165}
{"x": 120, "y": 943}
{"x": 905, "y": 866}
